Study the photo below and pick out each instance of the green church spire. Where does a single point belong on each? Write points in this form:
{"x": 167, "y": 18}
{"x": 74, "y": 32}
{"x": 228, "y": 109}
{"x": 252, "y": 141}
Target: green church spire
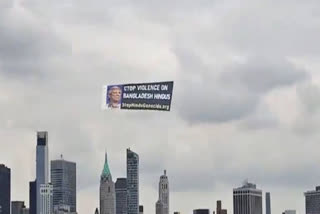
{"x": 106, "y": 171}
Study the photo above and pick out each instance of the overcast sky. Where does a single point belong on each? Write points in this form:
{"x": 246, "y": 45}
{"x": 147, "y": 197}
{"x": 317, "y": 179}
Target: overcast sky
{"x": 246, "y": 101}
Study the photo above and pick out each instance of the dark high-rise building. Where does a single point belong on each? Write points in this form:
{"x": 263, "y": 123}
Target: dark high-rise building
{"x": 121, "y": 196}
{"x": 268, "y": 203}
{"x": 201, "y": 211}
{"x": 132, "y": 182}
{"x": 32, "y": 197}
{"x": 247, "y": 199}
{"x": 5, "y": 189}
{"x": 17, "y": 207}
{"x": 42, "y": 164}
{"x": 219, "y": 209}
{"x": 313, "y": 201}
{"x": 25, "y": 211}
{"x": 140, "y": 209}
{"x": 64, "y": 182}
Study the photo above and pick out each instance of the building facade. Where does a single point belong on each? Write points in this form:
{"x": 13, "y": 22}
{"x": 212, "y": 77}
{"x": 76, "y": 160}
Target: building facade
{"x": 42, "y": 164}
{"x": 268, "y": 203}
{"x": 313, "y": 201}
{"x": 64, "y": 182}
{"x": 32, "y": 197}
{"x": 5, "y": 187}
{"x": 107, "y": 191}
{"x": 140, "y": 209}
{"x": 162, "y": 205}
{"x": 159, "y": 207}
{"x": 219, "y": 209}
{"x": 25, "y": 211}
{"x": 132, "y": 182}
{"x": 17, "y": 206}
{"x": 62, "y": 209}
{"x": 121, "y": 196}
{"x": 247, "y": 199}
{"x": 201, "y": 211}
{"x": 46, "y": 199}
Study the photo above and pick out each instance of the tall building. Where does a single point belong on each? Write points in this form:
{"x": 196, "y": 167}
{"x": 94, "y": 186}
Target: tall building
{"x": 25, "y": 211}
{"x": 132, "y": 182}
{"x": 201, "y": 211}
{"x": 62, "y": 209}
{"x": 33, "y": 197}
{"x": 64, "y": 182}
{"x": 121, "y": 196}
{"x": 5, "y": 189}
{"x": 247, "y": 199}
{"x": 17, "y": 206}
{"x": 268, "y": 203}
{"x": 313, "y": 201}
{"x": 159, "y": 207}
{"x": 42, "y": 164}
{"x": 140, "y": 209}
{"x": 219, "y": 209}
{"x": 46, "y": 199}
{"x": 162, "y": 205}
{"x": 107, "y": 191}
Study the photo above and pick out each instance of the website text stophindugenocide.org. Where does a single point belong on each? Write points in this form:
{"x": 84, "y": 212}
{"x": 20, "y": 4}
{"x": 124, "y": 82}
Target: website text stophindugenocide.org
{"x": 145, "y": 106}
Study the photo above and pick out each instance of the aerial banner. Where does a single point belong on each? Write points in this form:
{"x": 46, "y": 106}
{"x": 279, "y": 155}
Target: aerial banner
{"x": 138, "y": 96}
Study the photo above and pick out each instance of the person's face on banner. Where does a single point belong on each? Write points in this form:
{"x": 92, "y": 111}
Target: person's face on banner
{"x": 115, "y": 95}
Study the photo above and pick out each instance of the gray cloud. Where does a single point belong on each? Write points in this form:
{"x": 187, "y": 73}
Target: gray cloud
{"x": 262, "y": 74}
{"x": 27, "y": 44}
{"x": 234, "y": 93}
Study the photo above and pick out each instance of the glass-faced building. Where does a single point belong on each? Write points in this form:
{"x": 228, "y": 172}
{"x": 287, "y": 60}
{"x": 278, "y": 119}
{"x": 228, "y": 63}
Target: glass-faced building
{"x": 132, "y": 182}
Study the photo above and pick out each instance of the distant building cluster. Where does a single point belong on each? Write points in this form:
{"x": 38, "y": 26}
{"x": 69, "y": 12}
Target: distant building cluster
{"x": 55, "y": 192}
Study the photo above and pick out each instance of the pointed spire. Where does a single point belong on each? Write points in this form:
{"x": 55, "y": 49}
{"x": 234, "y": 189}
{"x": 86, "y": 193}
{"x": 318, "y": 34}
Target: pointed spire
{"x": 105, "y": 157}
{"x": 106, "y": 171}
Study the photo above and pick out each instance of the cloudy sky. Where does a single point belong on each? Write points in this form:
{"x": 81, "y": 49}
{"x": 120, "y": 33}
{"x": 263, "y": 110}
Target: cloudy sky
{"x": 246, "y": 101}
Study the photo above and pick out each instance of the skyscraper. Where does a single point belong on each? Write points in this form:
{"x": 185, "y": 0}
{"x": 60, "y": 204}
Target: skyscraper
{"x": 268, "y": 203}
{"x": 162, "y": 205}
{"x": 107, "y": 191}
{"x": 42, "y": 164}
{"x": 219, "y": 209}
{"x": 121, "y": 196}
{"x": 159, "y": 207}
{"x": 132, "y": 182}
{"x": 140, "y": 209}
{"x": 63, "y": 179}
{"x": 5, "y": 189}
{"x": 33, "y": 197}
{"x": 46, "y": 199}
{"x": 201, "y": 211}
{"x": 17, "y": 206}
{"x": 313, "y": 201}
{"x": 247, "y": 199}
{"x": 25, "y": 211}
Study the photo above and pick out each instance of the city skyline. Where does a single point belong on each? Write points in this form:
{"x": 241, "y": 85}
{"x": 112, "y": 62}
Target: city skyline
{"x": 46, "y": 190}
{"x": 246, "y": 98}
